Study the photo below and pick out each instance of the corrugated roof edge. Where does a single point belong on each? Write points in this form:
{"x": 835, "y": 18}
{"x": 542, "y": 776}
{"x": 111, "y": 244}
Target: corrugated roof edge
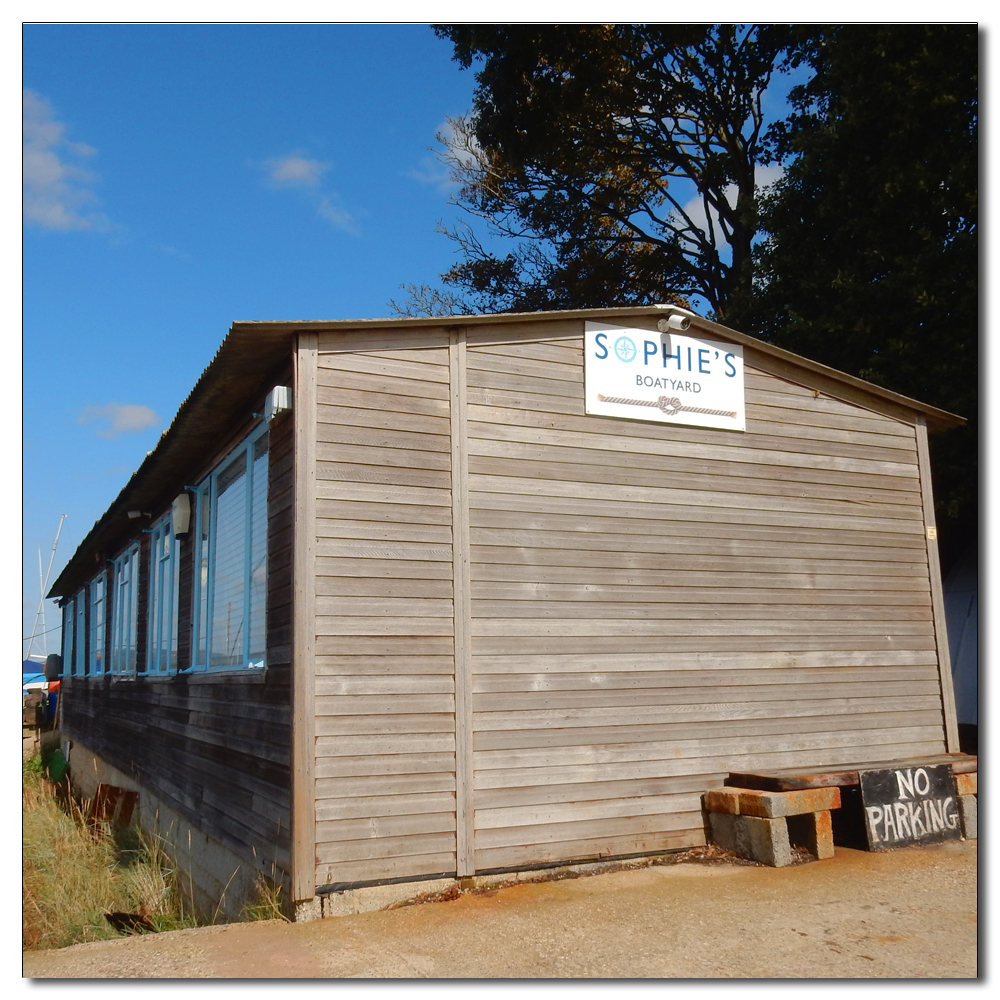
{"x": 260, "y": 345}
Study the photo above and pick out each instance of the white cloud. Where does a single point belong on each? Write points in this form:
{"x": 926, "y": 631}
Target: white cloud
{"x": 764, "y": 177}
{"x": 457, "y": 148}
{"x": 302, "y": 173}
{"x": 121, "y": 418}
{"x": 56, "y": 190}
{"x": 296, "y": 171}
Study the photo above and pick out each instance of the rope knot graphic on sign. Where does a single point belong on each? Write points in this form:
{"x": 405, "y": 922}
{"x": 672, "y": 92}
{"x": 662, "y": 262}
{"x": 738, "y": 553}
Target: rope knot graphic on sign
{"x": 668, "y": 405}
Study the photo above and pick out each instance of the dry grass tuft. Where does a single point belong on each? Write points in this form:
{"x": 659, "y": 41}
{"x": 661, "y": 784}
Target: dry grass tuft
{"x": 74, "y": 874}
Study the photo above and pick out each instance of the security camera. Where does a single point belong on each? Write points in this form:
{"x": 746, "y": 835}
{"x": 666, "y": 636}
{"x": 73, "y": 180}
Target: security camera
{"x": 675, "y": 321}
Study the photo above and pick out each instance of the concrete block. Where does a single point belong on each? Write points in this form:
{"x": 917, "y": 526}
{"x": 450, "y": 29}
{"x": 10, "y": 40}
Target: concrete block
{"x": 814, "y": 832}
{"x": 967, "y": 784}
{"x": 308, "y": 909}
{"x": 763, "y": 840}
{"x": 968, "y": 807}
{"x": 773, "y": 804}
{"x": 722, "y": 830}
{"x": 722, "y": 800}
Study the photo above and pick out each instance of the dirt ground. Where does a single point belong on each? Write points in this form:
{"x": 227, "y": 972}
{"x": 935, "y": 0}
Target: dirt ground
{"x": 908, "y": 914}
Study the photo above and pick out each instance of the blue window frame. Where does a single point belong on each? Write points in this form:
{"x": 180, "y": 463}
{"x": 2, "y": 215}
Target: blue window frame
{"x": 80, "y": 631}
{"x": 124, "y": 611}
{"x": 68, "y": 629}
{"x": 164, "y": 567}
{"x": 231, "y": 560}
{"x": 98, "y": 609}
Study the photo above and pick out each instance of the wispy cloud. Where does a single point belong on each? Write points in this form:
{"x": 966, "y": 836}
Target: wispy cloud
{"x": 120, "y": 418}
{"x": 57, "y": 190}
{"x": 302, "y": 173}
{"x": 457, "y": 149}
{"x": 764, "y": 177}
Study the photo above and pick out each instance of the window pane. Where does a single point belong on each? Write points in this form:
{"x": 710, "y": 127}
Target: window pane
{"x": 97, "y": 625}
{"x": 258, "y": 554}
{"x": 228, "y": 587}
{"x": 80, "y": 654}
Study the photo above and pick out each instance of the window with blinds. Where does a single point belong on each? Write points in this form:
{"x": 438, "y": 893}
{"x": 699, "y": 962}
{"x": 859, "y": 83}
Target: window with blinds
{"x": 164, "y": 566}
{"x": 124, "y": 611}
{"x": 231, "y": 556}
{"x": 98, "y": 606}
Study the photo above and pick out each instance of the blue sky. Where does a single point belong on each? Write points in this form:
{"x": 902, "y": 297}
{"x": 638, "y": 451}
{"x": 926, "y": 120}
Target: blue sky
{"x": 180, "y": 177}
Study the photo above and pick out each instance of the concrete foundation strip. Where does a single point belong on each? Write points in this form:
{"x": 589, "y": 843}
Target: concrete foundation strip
{"x": 669, "y": 405}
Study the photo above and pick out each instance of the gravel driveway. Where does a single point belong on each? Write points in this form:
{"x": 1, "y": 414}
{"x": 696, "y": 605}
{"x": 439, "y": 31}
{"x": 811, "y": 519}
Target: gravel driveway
{"x": 905, "y": 914}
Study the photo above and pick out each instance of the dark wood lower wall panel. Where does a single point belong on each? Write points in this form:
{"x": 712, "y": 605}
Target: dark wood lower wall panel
{"x": 227, "y": 773}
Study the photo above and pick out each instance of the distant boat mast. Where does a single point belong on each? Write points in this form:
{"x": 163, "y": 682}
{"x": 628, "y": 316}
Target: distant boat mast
{"x": 38, "y": 632}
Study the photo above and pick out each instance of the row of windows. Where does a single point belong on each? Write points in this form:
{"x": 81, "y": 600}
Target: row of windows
{"x": 229, "y": 560}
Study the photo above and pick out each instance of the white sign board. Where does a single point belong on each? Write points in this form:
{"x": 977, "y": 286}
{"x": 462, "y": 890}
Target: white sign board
{"x": 664, "y": 377}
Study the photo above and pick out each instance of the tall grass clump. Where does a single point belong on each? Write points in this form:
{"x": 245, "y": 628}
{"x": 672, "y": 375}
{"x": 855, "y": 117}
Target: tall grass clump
{"x": 74, "y": 873}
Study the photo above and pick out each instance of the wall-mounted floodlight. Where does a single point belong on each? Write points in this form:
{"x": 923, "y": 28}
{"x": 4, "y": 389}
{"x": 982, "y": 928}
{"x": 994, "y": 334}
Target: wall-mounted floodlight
{"x": 180, "y": 514}
{"x": 134, "y": 515}
{"x": 279, "y": 400}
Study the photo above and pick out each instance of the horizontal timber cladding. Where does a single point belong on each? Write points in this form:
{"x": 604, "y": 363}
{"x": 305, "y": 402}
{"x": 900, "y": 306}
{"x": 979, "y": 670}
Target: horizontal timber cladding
{"x": 571, "y": 625}
{"x": 385, "y": 664}
{"x": 213, "y": 747}
{"x": 654, "y": 605}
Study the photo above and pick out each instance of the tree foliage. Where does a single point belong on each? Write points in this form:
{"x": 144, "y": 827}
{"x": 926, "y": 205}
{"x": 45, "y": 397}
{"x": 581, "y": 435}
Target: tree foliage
{"x": 871, "y": 254}
{"x": 620, "y": 159}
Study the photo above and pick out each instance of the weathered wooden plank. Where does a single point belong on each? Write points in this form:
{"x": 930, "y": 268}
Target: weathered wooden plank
{"x": 523, "y": 739}
{"x": 385, "y": 684}
{"x": 327, "y": 527}
{"x": 379, "y": 550}
{"x": 391, "y": 725}
{"x": 683, "y": 442}
{"x": 432, "y": 458}
{"x": 432, "y": 370}
{"x": 384, "y": 645}
{"x": 384, "y": 607}
{"x": 531, "y": 367}
{"x": 382, "y": 787}
{"x": 369, "y": 828}
{"x": 752, "y": 755}
{"x": 369, "y": 766}
{"x": 303, "y": 635}
{"x": 397, "y": 704}
{"x": 700, "y": 505}
{"x": 788, "y": 681}
{"x": 692, "y": 602}
{"x": 365, "y": 807}
{"x": 814, "y": 606}
{"x": 937, "y": 595}
{"x": 760, "y": 697}
{"x": 591, "y": 812}
{"x": 426, "y": 338}
{"x": 687, "y": 490}
{"x": 333, "y": 870}
{"x": 386, "y": 513}
{"x": 385, "y": 493}
{"x": 331, "y": 625}
{"x": 729, "y": 536}
{"x": 337, "y": 401}
{"x": 344, "y": 586}
{"x": 703, "y": 660}
{"x": 702, "y": 474}
{"x": 526, "y": 331}
{"x": 482, "y": 378}
{"x": 593, "y": 849}
{"x": 371, "y": 666}
{"x": 492, "y": 627}
{"x": 799, "y": 548}
{"x": 559, "y": 352}
{"x": 345, "y": 472}
{"x": 380, "y": 745}
{"x": 350, "y": 431}
{"x": 545, "y": 645}
{"x": 384, "y": 569}
{"x": 629, "y": 713}
{"x": 381, "y": 848}
{"x": 391, "y": 385}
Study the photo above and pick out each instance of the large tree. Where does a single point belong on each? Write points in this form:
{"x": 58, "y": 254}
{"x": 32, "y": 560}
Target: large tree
{"x": 870, "y": 260}
{"x": 622, "y": 159}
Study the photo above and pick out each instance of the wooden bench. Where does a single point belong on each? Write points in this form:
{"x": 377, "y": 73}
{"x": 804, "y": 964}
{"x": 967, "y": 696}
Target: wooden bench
{"x": 762, "y": 815}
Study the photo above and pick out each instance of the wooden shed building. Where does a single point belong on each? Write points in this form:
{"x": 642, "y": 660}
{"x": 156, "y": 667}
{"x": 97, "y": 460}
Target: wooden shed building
{"x": 396, "y": 600}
